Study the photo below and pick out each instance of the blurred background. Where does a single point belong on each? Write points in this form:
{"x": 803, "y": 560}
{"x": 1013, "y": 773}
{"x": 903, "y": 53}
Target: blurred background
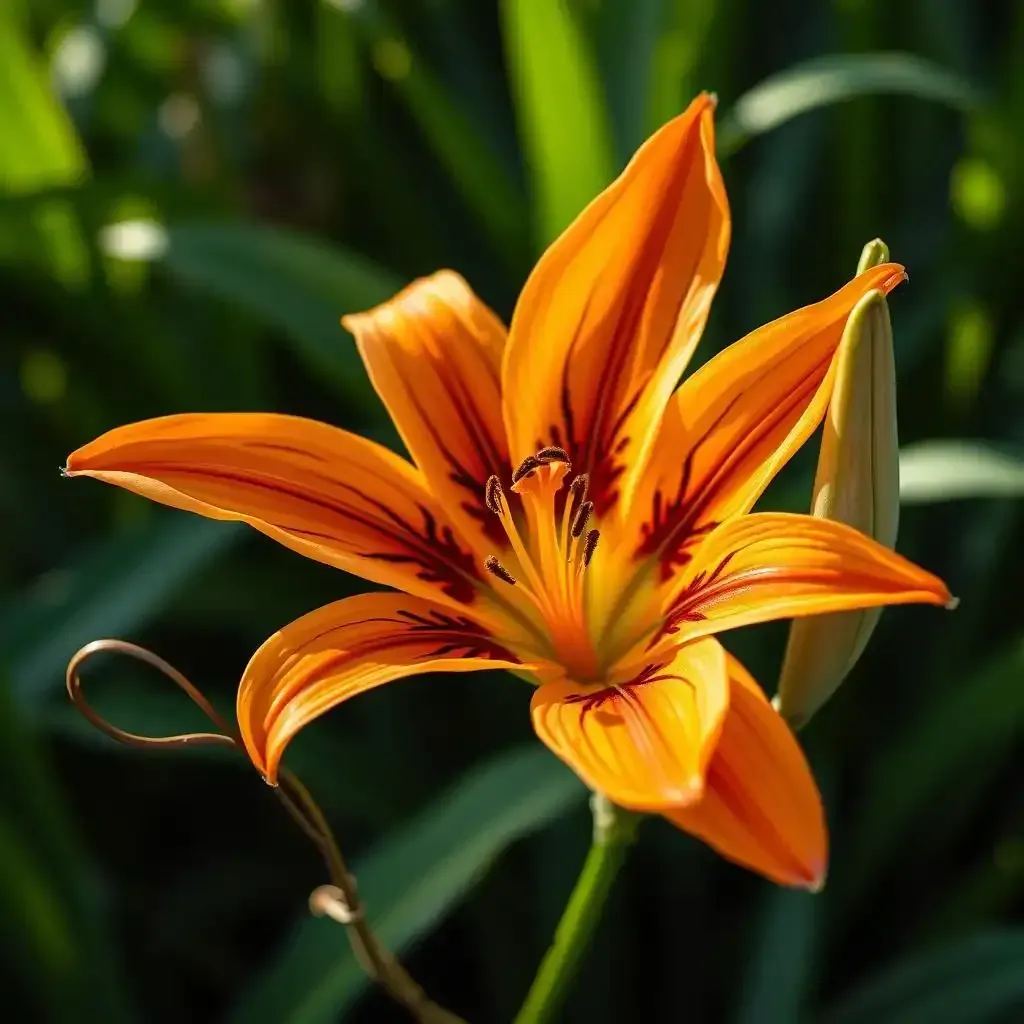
{"x": 191, "y": 193}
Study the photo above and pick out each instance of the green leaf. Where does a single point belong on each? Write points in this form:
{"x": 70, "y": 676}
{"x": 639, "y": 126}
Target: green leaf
{"x": 562, "y": 118}
{"x": 113, "y": 589}
{"x": 39, "y": 149}
{"x": 975, "y": 722}
{"x": 827, "y": 80}
{"x": 628, "y": 41}
{"x": 461, "y": 147}
{"x": 978, "y": 979}
{"x": 947, "y": 470}
{"x": 412, "y": 880}
{"x": 776, "y": 982}
{"x": 50, "y": 919}
{"x": 284, "y": 279}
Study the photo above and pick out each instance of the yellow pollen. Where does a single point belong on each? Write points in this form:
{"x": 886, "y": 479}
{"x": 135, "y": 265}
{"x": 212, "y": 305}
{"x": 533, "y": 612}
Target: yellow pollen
{"x": 552, "y": 550}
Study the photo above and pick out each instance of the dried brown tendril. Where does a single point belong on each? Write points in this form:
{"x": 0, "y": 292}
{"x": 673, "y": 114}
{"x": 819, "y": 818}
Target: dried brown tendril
{"x": 339, "y": 900}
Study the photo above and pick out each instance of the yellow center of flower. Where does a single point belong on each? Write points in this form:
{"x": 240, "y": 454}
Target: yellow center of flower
{"x": 553, "y": 547}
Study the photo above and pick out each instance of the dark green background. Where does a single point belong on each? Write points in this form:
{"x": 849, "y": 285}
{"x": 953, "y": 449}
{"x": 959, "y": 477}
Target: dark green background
{"x": 304, "y": 158}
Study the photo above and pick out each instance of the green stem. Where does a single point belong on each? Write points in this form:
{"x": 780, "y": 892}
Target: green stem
{"x": 614, "y": 830}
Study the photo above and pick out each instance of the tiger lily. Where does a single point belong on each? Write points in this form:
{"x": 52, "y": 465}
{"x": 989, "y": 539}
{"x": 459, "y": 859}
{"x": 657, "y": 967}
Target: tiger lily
{"x": 568, "y": 513}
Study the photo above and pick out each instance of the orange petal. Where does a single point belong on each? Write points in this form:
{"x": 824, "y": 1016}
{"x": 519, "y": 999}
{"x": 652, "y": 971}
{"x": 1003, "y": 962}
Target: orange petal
{"x": 611, "y": 314}
{"x": 737, "y": 421}
{"x": 761, "y": 807}
{"x": 434, "y": 355}
{"x": 317, "y": 662}
{"x": 646, "y": 743}
{"x": 773, "y": 565}
{"x": 321, "y": 491}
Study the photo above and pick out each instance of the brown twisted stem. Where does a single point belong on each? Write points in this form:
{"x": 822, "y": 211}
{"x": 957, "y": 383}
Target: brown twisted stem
{"x": 339, "y": 900}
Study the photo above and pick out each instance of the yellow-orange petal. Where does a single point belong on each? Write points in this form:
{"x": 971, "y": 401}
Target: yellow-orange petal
{"x": 761, "y": 807}
{"x": 737, "y": 421}
{"x": 775, "y": 565}
{"x": 610, "y": 315}
{"x": 322, "y": 659}
{"x": 434, "y": 355}
{"x": 321, "y": 491}
{"x": 644, "y": 743}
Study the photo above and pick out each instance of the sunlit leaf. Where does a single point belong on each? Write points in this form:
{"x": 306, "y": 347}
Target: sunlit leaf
{"x": 827, "y": 80}
{"x": 412, "y": 879}
{"x": 562, "y": 118}
{"x": 39, "y": 149}
{"x": 297, "y": 284}
{"x": 947, "y": 470}
{"x": 977, "y": 979}
{"x": 112, "y": 590}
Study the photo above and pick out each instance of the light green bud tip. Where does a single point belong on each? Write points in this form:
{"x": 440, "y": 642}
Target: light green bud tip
{"x": 872, "y": 255}
{"x": 857, "y": 483}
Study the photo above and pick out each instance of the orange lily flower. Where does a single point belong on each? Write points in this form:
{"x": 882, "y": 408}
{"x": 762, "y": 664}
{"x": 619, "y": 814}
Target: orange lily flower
{"x": 568, "y": 513}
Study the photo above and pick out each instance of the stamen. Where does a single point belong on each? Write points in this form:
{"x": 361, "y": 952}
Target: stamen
{"x": 494, "y": 496}
{"x": 583, "y": 513}
{"x": 528, "y": 465}
{"x": 495, "y": 568}
{"x": 578, "y": 488}
{"x": 553, "y": 454}
{"x": 589, "y": 547}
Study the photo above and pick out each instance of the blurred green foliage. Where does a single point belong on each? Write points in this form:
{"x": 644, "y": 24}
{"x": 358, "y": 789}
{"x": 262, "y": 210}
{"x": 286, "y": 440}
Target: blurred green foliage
{"x": 191, "y": 193}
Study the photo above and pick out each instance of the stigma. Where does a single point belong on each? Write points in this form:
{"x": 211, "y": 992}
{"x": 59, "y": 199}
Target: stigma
{"x": 553, "y": 542}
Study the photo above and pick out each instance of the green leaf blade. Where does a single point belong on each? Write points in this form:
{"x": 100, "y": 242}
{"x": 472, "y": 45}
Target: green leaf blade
{"x": 977, "y": 979}
{"x": 411, "y": 880}
{"x": 947, "y": 470}
{"x": 562, "y": 117}
{"x": 832, "y": 79}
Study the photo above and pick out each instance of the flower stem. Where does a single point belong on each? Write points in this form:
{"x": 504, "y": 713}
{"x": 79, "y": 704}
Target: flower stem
{"x": 614, "y": 831}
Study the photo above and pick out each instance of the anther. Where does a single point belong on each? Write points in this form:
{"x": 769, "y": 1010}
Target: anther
{"x": 495, "y": 568}
{"x": 590, "y": 546}
{"x": 528, "y": 465}
{"x": 553, "y": 454}
{"x": 579, "y": 523}
{"x": 493, "y": 495}
{"x": 578, "y": 487}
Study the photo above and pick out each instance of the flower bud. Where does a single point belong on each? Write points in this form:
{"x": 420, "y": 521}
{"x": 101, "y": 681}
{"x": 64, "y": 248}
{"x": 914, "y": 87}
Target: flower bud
{"x": 857, "y": 483}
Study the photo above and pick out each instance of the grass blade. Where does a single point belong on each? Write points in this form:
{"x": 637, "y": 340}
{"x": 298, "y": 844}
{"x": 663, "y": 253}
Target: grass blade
{"x": 411, "y": 880}
{"x": 562, "y": 117}
{"x": 827, "y": 80}
{"x": 977, "y": 979}
{"x": 113, "y": 589}
{"x": 947, "y": 470}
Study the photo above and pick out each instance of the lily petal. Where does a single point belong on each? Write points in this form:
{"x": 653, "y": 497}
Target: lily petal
{"x": 738, "y": 420}
{"x": 645, "y": 743}
{"x": 774, "y": 565}
{"x": 610, "y": 315}
{"x": 343, "y": 649}
{"x": 321, "y": 491}
{"x": 434, "y": 355}
{"x": 761, "y": 807}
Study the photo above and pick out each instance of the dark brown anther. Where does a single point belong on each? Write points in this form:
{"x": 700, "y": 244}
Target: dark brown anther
{"x": 553, "y": 454}
{"x": 582, "y": 517}
{"x": 528, "y": 465}
{"x": 494, "y": 497}
{"x": 495, "y": 568}
{"x": 590, "y": 546}
{"x": 578, "y": 488}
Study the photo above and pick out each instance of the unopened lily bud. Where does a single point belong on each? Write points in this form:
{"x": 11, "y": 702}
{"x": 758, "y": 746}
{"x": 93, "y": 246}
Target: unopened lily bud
{"x": 857, "y": 483}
